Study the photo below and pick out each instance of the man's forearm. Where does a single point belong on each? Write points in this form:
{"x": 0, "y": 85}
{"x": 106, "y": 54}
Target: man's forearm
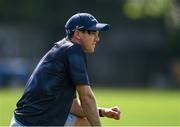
{"x": 90, "y": 110}
{"x": 113, "y": 112}
{"x": 77, "y": 110}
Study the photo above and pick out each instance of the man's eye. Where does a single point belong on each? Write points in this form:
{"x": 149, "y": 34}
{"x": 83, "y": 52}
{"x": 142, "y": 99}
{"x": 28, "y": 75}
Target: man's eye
{"x": 93, "y": 33}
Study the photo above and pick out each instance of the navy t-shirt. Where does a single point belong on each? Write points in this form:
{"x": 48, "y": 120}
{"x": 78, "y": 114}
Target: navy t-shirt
{"x": 50, "y": 90}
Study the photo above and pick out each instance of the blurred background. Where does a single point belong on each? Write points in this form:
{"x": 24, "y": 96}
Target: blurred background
{"x": 141, "y": 50}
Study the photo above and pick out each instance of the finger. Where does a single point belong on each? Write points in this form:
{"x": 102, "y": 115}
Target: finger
{"x": 114, "y": 115}
{"x": 116, "y": 109}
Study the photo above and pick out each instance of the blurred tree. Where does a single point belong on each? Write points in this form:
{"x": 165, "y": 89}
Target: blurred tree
{"x": 173, "y": 28}
{"x": 169, "y": 11}
{"x": 136, "y": 9}
{"x": 173, "y": 16}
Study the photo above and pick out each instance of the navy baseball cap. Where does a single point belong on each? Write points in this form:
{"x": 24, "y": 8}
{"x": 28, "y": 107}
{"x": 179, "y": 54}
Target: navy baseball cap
{"x": 84, "y": 21}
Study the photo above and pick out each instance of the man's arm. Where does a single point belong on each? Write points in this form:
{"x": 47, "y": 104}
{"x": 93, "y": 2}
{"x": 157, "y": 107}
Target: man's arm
{"x": 88, "y": 104}
{"x": 113, "y": 112}
{"x": 76, "y": 108}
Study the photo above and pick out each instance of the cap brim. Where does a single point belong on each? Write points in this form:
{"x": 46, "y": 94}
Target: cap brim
{"x": 100, "y": 27}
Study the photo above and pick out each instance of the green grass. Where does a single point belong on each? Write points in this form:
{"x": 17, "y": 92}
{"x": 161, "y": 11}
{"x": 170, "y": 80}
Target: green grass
{"x": 139, "y": 107}
{"x": 142, "y": 107}
{"x": 8, "y": 99}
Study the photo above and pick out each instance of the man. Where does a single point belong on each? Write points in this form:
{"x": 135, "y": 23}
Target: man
{"x": 50, "y": 94}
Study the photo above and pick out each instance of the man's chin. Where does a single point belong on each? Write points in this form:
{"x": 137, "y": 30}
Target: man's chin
{"x": 90, "y": 51}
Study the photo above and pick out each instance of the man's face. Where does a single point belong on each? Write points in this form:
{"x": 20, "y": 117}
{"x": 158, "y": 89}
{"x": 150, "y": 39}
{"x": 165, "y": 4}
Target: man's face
{"x": 88, "y": 40}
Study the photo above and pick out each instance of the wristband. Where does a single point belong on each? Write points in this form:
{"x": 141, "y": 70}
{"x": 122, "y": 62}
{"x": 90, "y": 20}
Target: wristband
{"x": 100, "y": 113}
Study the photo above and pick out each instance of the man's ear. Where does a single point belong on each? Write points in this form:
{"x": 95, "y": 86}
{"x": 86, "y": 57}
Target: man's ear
{"x": 77, "y": 34}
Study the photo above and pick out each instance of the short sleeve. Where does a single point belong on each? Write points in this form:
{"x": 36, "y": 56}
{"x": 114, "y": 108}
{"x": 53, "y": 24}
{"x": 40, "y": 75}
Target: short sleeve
{"x": 77, "y": 65}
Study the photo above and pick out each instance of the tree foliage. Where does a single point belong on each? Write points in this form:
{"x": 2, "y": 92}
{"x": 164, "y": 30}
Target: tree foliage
{"x": 137, "y": 9}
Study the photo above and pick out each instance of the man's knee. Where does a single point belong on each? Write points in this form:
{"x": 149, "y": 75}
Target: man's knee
{"x": 82, "y": 122}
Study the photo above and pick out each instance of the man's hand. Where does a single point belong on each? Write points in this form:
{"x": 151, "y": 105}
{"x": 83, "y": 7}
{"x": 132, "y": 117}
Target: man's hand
{"x": 113, "y": 112}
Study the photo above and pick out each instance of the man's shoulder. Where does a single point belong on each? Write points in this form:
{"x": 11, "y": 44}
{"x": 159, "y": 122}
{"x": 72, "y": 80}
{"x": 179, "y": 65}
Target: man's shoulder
{"x": 64, "y": 42}
{"x": 68, "y": 44}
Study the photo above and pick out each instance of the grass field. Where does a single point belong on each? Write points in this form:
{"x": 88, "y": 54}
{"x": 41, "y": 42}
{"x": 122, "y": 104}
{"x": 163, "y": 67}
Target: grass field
{"x": 139, "y": 107}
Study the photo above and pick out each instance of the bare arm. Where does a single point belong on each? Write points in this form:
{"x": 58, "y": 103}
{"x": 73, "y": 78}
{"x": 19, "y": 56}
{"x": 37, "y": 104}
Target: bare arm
{"x": 113, "y": 112}
{"x": 76, "y": 108}
{"x": 88, "y": 104}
